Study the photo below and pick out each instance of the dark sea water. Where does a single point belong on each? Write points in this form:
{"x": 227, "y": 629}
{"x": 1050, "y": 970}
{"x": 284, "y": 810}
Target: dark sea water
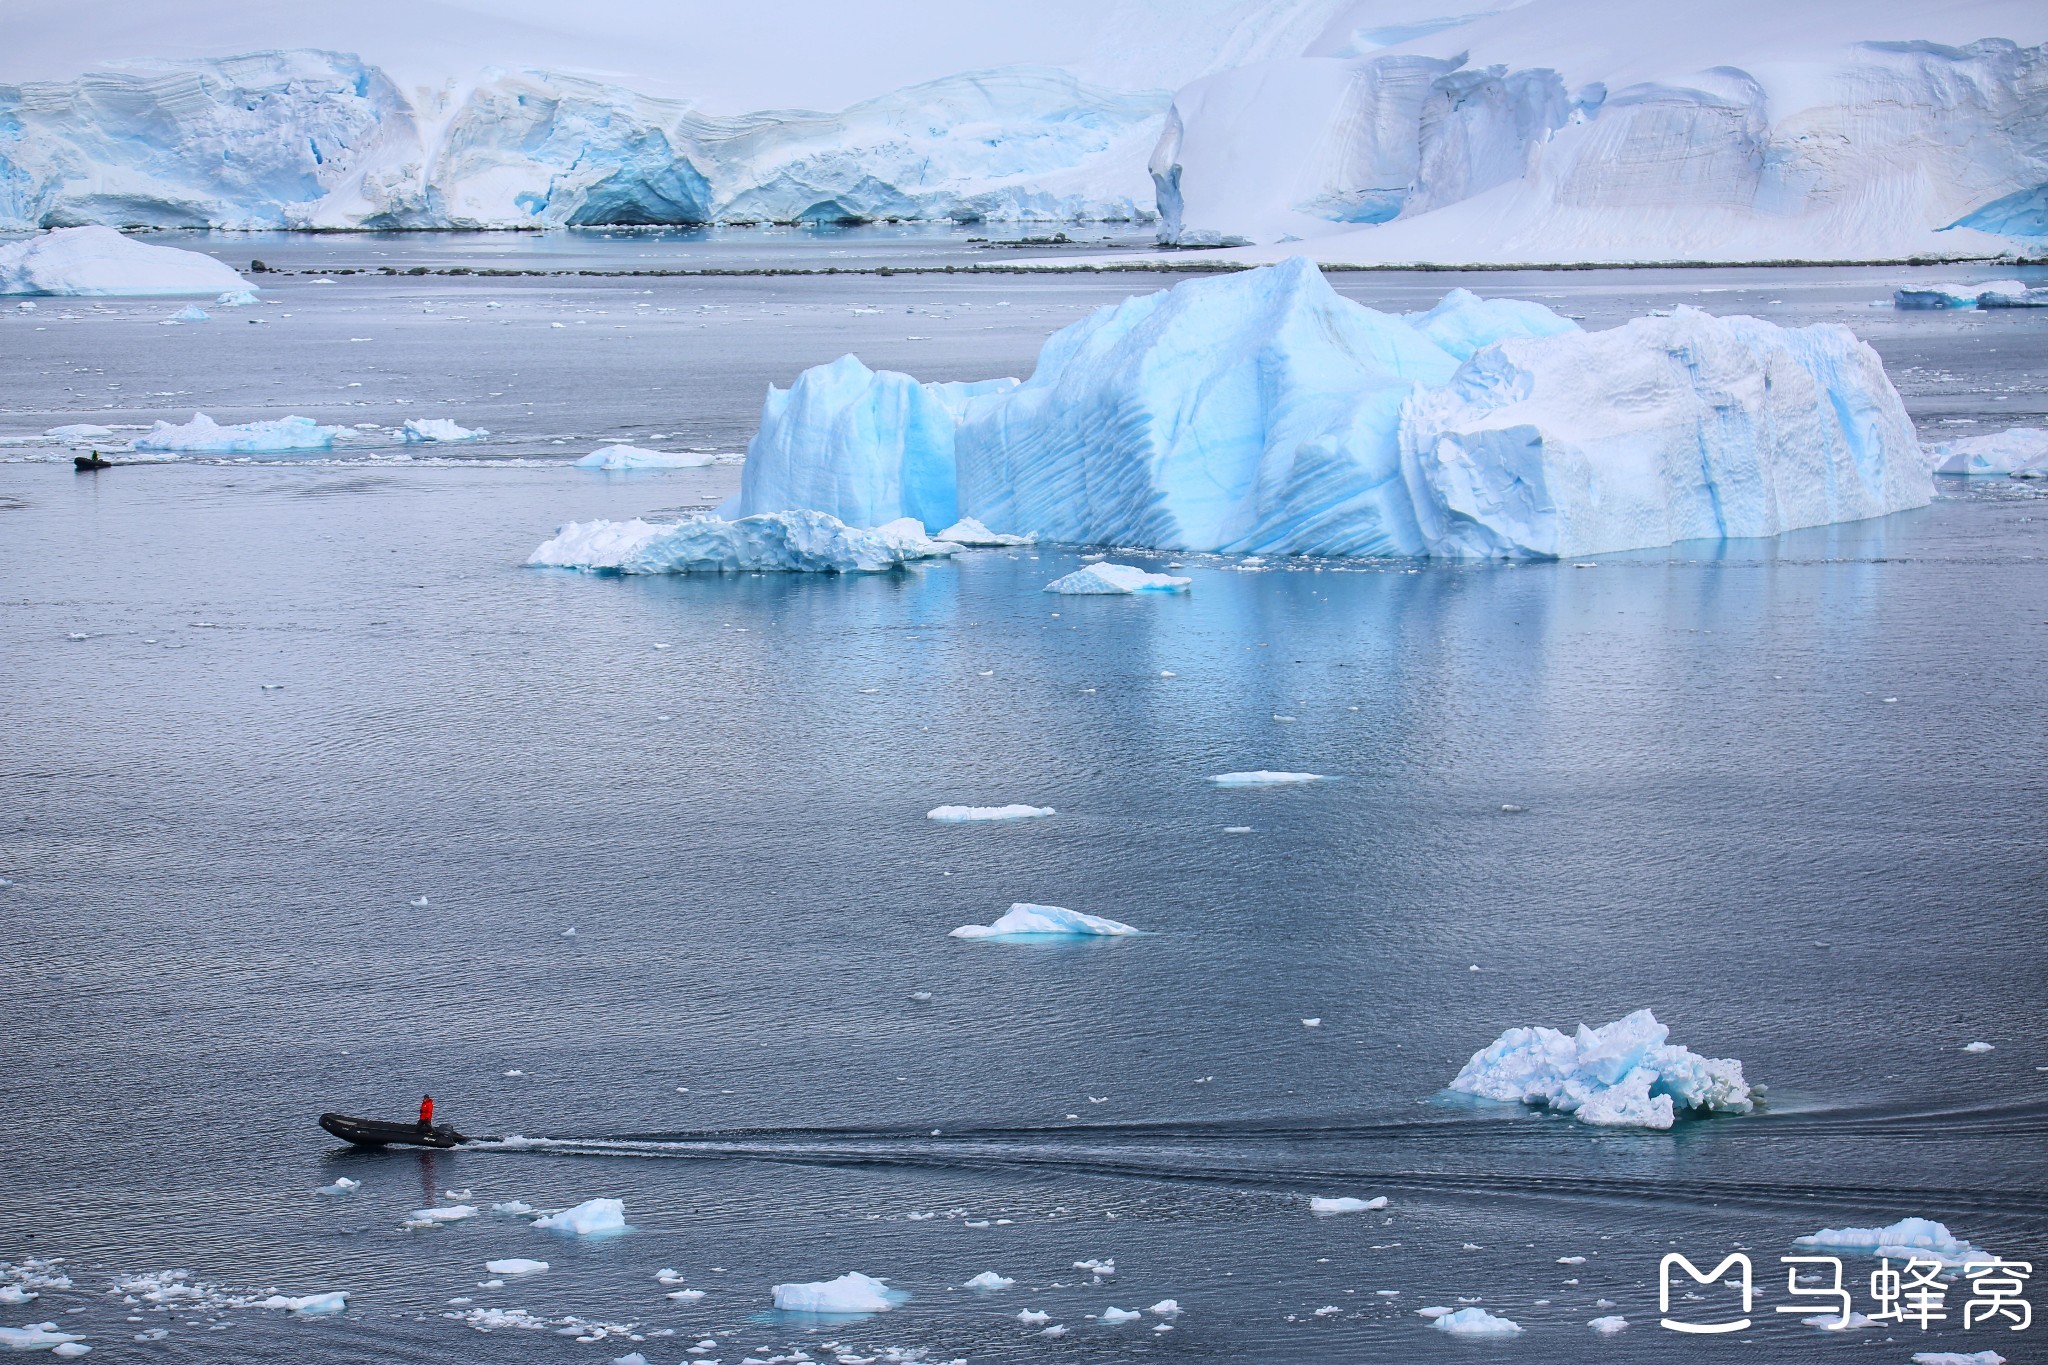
{"x": 1788, "y": 794}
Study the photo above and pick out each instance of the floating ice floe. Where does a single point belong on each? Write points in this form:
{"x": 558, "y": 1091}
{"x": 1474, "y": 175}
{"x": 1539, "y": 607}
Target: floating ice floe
{"x": 1261, "y": 777}
{"x": 966, "y": 814}
{"x": 1607, "y": 1326}
{"x": 852, "y": 1292}
{"x": 2019, "y": 450}
{"x": 13, "y": 1295}
{"x": 428, "y": 1218}
{"x": 969, "y": 532}
{"x": 82, "y": 261}
{"x": 309, "y": 1305}
{"x": 1024, "y": 920}
{"x": 512, "y": 1206}
{"x": 1980, "y": 1047}
{"x": 191, "y": 312}
{"x": 591, "y": 1218}
{"x": 1114, "y": 1314}
{"x": 204, "y": 436}
{"x": 795, "y": 542}
{"x": 1031, "y": 1317}
{"x": 423, "y": 430}
{"x": 1958, "y": 1358}
{"x": 1261, "y": 413}
{"x": 633, "y": 457}
{"x": 1835, "y": 1322}
{"x": 1108, "y": 579}
{"x": 237, "y": 298}
{"x": 1622, "y": 1074}
{"x": 515, "y": 1265}
{"x": 80, "y": 431}
{"x": 988, "y": 1279}
{"x": 1475, "y": 1322}
{"x": 1996, "y": 294}
{"x": 1907, "y": 1238}
{"x": 342, "y": 1185}
{"x": 41, "y": 1336}
{"x": 1346, "y": 1204}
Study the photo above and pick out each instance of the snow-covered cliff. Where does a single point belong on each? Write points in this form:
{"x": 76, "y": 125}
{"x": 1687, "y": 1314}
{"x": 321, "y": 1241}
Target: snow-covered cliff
{"x": 322, "y": 140}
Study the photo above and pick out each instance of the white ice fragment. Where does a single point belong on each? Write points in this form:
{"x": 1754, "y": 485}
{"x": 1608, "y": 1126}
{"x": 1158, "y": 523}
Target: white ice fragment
{"x": 1476, "y": 1322}
{"x": 1098, "y": 579}
{"x": 1166, "y": 1308}
{"x": 1903, "y": 1240}
{"x": 1237, "y": 829}
{"x": 424, "y": 430}
{"x": 427, "y": 1218}
{"x": 80, "y": 261}
{"x": 13, "y": 1295}
{"x": 591, "y": 1218}
{"x": 2016, "y": 451}
{"x": 967, "y": 531}
{"x": 1978, "y": 1047}
{"x": 80, "y": 431}
{"x": 1031, "y": 1317}
{"x": 1622, "y": 1074}
{"x": 961, "y": 814}
{"x": 989, "y": 1279}
{"x": 1054, "y": 1332}
{"x": 1024, "y": 921}
{"x": 1434, "y": 1311}
{"x": 418, "y": 902}
{"x": 852, "y": 1292}
{"x": 512, "y": 1206}
{"x": 342, "y": 1185}
{"x": 1115, "y": 1314}
{"x": 191, "y": 312}
{"x": 1312, "y": 1023}
{"x": 515, "y": 1265}
{"x": 1607, "y": 1326}
{"x": 1835, "y": 1322}
{"x": 617, "y": 457}
{"x": 1928, "y": 1357}
{"x": 1346, "y": 1204}
{"x": 794, "y": 542}
{"x": 1328, "y": 1310}
{"x": 1571, "y": 1260}
{"x": 685, "y": 1295}
{"x": 1262, "y": 777}
{"x": 204, "y": 436}
{"x": 309, "y": 1305}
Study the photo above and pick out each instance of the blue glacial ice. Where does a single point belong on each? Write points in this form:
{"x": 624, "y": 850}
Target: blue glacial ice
{"x": 81, "y": 261}
{"x": 1262, "y": 413}
{"x": 1106, "y": 579}
{"x": 2021, "y": 452}
{"x": 1903, "y": 1240}
{"x": 1623, "y": 1074}
{"x": 1476, "y": 1322}
{"x": 1026, "y": 921}
{"x": 204, "y": 436}
{"x": 971, "y": 533}
{"x": 425, "y": 430}
{"x": 792, "y": 542}
{"x": 591, "y": 1218}
{"x": 851, "y": 1293}
{"x": 621, "y": 457}
{"x": 1265, "y": 777}
{"x": 1996, "y": 294}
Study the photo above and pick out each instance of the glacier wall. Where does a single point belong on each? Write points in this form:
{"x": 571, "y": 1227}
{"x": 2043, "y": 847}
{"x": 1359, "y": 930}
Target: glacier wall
{"x": 1879, "y": 150}
{"x": 308, "y": 139}
{"x": 1263, "y": 413}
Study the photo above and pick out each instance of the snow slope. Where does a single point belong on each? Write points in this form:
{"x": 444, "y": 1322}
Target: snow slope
{"x": 1593, "y": 130}
{"x": 1263, "y": 413}
{"x": 309, "y": 139}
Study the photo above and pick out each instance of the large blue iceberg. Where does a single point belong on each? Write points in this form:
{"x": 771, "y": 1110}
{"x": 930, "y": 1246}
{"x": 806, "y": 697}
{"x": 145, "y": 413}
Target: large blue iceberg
{"x": 1262, "y": 413}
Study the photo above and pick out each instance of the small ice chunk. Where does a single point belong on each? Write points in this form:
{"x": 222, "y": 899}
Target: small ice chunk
{"x": 963, "y": 814}
{"x": 852, "y": 1292}
{"x": 1237, "y": 829}
{"x": 968, "y": 531}
{"x": 1978, "y": 1047}
{"x": 80, "y": 431}
{"x": 1054, "y": 1332}
{"x": 1607, "y": 1326}
{"x": 1166, "y": 1308}
{"x": 988, "y": 1279}
{"x": 617, "y": 457}
{"x": 1901, "y": 1241}
{"x": 1031, "y": 1317}
{"x": 1024, "y": 920}
{"x": 421, "y": 430}
{"x": 2017, "y": 451}
{"x": 1328, "y": 1310}
{"x": 418, "y": 903}
{"x": 1835, "y": 1322}
{"x": 1262, "y": 777}
{"x": 342, "y": 1185}
{"x": 1476, "y": 1322}
{"x": 39, "y": 1337}
{"x": 1571, "y": 1260}
{"x": 13, "y": 1295}
{"x": 591, "y": 1218}
{"x": 1098, "y": 579}
{"x": 1115, "y": 1314}
{"x": 1433, "y": 1311}
{"x": 427, "y": 1218}
{"x": 309, "y": 1305}
{"x": 685, "y": 1295}
{"x": 515, "y": 1265}
{"x": 512, "y": 1206}
{"x": 1622, "y": 1074}
{"x": 1346, "y": 1204}
{"x": 1312, "y": 1023}
{"x": 191, "y": 312}
{"x": 1919, "y": 1357}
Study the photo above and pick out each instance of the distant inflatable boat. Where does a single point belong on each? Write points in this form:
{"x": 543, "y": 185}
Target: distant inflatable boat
{"x": 383, "y": 1133}
{"x": 90, "y": 462}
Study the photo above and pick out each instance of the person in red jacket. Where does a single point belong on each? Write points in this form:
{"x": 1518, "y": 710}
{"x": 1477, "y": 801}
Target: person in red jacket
{"x": 427, "y": 1113}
